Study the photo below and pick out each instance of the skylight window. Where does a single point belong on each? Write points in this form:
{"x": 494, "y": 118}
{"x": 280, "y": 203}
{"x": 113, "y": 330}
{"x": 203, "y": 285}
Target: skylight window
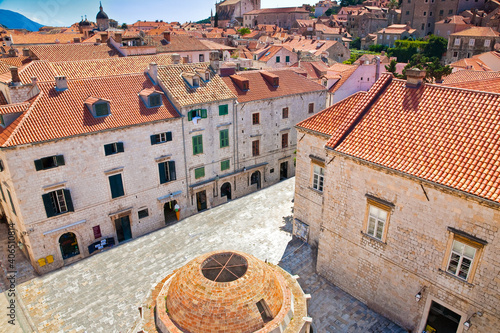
{"x": 101, "y": 109}
{"x": 154, "y": 100}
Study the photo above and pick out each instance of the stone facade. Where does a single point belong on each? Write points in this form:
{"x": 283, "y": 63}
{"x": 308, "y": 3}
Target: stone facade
{"x": 388, "y": 274}
{"x": 470, "y": 42}
{"x": 281, "y": 17}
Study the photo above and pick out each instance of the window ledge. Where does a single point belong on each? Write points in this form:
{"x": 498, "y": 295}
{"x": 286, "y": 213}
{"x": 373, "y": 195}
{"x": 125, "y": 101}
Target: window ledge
{"x": 373, "y": 238}
{"x": 445, "y": 273}
{"x": 315, "y": 190}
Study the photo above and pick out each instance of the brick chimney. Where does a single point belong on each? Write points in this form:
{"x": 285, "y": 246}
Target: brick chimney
{"x": 76, "y": 40}
{"x": 98, "y": 41}
{"x": 414, "y": 77}
{"x": 14, "y": 72}
{"x": 26, "y": 52}
{"x": 61, "y": 83}
{"x": 153, "y": 72}
{"x": 118, "y": 37}
{"x": 166, "y": 36}
{"x": 104, "y": 37}
{"x": 176, "y": 58}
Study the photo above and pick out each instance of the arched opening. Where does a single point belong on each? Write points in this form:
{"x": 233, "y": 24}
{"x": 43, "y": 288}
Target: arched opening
{"x": 69, "y": 245}
{"x": 169, "y": 211}
{"x": 255, "y": 179}
{"x": 225, "y": 191}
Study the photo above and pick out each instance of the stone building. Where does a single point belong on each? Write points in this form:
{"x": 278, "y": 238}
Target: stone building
{"x": 423, "y": 14}
{"x": 230, "y": 12}
{"x": 387, "y": 36}
{"x": 102, "y": 19}
{"x": 280, "y": 17}
{"x": 403, "y": 204}
{"x": 471, "y": 42}
{"x": 366, "y": 20}
{"x": 274, "y": 56}
{"x": 450, "y": 25}
{"x": 230, "y": 291}
{"x": 324, "y": 49}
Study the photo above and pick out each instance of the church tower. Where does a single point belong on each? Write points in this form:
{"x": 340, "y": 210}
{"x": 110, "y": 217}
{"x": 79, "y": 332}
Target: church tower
{"x": 102, "y": 19}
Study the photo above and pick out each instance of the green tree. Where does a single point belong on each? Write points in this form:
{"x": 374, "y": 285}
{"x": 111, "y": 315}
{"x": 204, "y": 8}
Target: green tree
{"x": 244, "y": 31}
{"x": 391, "y": 68}
{"x": 393, "y": 4}
{"x": 436, "y": 47}
{"x": 329, "y": 12}
{"x": 124, "y": 26}
{"x": 377, "y": 48}
{"x": 435, "y": 71}
{"x": 355, "y": 44}
{"x": 216, "y": 20}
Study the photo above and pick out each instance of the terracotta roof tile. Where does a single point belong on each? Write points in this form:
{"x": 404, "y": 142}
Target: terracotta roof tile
{"x": 178, "y": 43}
{"x": 277, "y": 10}
{"x": 469, "y": 75}
{"x": 183, "y": 94}
{"x": 3, "y": 99}
{"x": 289, "y": 83}
{"x": 477, "y": 31}
{"x": 444, "y": 135}
{"x": 16, "y": 61}
{"x": 475, "y": 64}
{"x": 70, "y": 52}
{"x": 39, "y": 38}
{"x": 55, "y": 115}
{"x": 491, "y": 85}
{"x": 344, "y": 75}
{"x": 315, "y": 47}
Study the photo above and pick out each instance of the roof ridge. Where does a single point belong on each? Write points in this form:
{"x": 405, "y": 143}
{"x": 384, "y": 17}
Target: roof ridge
{"x": 100, "y": 77}
{"x": 14, "y": 104}
{"x": 22, "y": 121}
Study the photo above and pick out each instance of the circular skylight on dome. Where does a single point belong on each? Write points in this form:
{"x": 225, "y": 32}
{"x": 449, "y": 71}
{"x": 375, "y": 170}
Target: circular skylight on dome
{"x": 224, "y": 267}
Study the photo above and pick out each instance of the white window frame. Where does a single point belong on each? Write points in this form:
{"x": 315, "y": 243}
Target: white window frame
{"x": 376, "y": 220}
{"x": 472, "y": 41}
{"x": 457, "y": 42}
{"x": 459, "y": 255}
{"x": 487, "y": 43}
{"x": 318, "y": 178}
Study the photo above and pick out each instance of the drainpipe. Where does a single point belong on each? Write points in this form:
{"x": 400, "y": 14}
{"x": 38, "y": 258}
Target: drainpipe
{"x": 185, "y": 162}
{"x": 235, "y": 122}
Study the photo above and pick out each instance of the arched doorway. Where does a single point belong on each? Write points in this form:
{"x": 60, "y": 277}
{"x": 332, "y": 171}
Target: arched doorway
{"x": 255, "y": 179}
{"x": 169, "y": 211}
{"x": 225, "y": 191}
{"x": 69, "y": 245}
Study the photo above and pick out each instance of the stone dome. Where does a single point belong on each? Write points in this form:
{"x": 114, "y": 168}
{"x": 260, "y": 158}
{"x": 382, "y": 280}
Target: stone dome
{"x": 101, "y": 14}
{"x": 226, "y": 291}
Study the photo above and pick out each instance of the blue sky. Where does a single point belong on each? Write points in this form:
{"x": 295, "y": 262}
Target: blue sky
{"x": 67, "y": 12}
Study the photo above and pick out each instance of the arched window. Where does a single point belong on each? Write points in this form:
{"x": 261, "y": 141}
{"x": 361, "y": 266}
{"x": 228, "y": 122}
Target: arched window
{"x": 69, "y": 245}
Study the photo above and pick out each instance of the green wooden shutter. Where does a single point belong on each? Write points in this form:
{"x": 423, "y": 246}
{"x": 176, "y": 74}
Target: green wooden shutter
{"x": 277, "y": 59}
{"x": 60, "y": 160}
{"x": 224, "y": 165}
{"x": 224, "y": 138}
{"x": 190, "y": 115}
{"x": 197, "y": 144}
{"x": 169, "y": 136}
{"x": 200, "y": 172}
{"x": 287, "y": 58}
{"x": 108, "y": 149}
{"x": 47, "y": 202}
{"x": 116, "y": 184}
{"x": 69, "y": 202}
{"x": 11, "y": 203}
{"x": 119, "y": 147}
{"x": 153, "y": 139}
{"x": 203, "y": 113}
{"x": 223, "y": 110}
{"x": 171, "y": 169}
{"x": 38, "y": 165}
{"x": 163, "y": 174}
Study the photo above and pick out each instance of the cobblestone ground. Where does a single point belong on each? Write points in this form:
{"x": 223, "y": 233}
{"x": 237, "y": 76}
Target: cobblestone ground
{"x": 102, "y": 293}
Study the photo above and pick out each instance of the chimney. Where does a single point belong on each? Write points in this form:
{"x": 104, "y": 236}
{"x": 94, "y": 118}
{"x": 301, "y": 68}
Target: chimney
{"x": 26, "y": 52}
{"x": 61, "y": 83}
{"x": 414, "y": 77}
{"x": 16, "y": 80}
{"x": 166, "y": 36}
{"x": 176, "y": 58}
{"x": 377, "y": 68}
{"x": 104, "y": 37}
{"x": 214, "y": 61}
{"x": 76, "y": 40}
{"x": 118, "y": 37}
{"x": 382, "y": 53}
{"x": 98, "y": 41}
{"x": 153, "y": 72}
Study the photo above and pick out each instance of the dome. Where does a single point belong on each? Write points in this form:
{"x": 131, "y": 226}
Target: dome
{"x": 101, "y": 14}
{"x": 226, "y": 291}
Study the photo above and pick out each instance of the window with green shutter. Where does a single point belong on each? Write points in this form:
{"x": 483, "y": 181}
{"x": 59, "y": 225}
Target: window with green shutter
{"x": 223, "y": 110}
{"x": 113, "y": 148}
{"x": 11, "y": 203}
{"x": 49, "y": 162}
{"x": 116, "y": 185}
{"x": 224, "y": 165}
{"x": 166, "y": 171}
{"x": 200, "y": 172}
{"x": 197, "y": 144}
{"x": 200, "y": 113}
{"x": 57, "y": 202}
{"x": 224, "y": 138}
{"x": 161, "y": 138}
{"x": 154, "y": 100}
{"x": 287, "y": 58}
{"x": 101, "y": 109}
{"x": 277, "y": 59}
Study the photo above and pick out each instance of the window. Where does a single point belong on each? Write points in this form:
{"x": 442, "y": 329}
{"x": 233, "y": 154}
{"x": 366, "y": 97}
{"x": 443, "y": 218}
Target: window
{"x": 143, "y": 213}
{"x": 199, "y": 172}
{"x": 2, "y": 168}
{"x": 318, "y": 177}
{"x": 457, "y": 41}
{"x": 255, "y": 148}
{"x": 116, "y": 185}
{"x": 423, "y": 26}
{"x": 430, "y": 13}
{"x": 101, "y": 109}
{"x": 160, "y": 138}
{"x": 223, "y": 110}
{"x": 255, "y": 118}
{"x": 311, "y": 107}
{"x": 166, "y": 170}
{"x": 450, "y": 12}
{"x": 97, "y": 231}
{"x": 425, "y": 13}
{"x": 154, "y": 100}
{"x": 57, "y": 202}
{"x": 377, "y": 218}
{"x": 49, "y": 162}
{"x": 287, "y": 58}
{"x": 471, "y": 42}
{"x": 264, "y": 311}
{"x": 199, "y": 113}
{"x": 284, "y": 113}
{"x": 487, "y": 43}
{"x": 11, "y": 203}
{"x": 196, "y": 82}
{"x": 202, "y": 58}
{"x": 284, "y": 140}
{"x": 113, "y": 148}
{"x": 224, "y": 165}
{"x": 277, "y": 59}
{"x": 197, "y": 144}
{"x": 441, "y": 12}
{"x": 455, "y": 54}
{"x": 407, "y": 12}
{"x": 462, "y": 254}
{"x": 224, "y": 138}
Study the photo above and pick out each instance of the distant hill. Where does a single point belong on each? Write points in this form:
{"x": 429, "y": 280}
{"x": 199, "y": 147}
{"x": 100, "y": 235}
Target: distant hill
{"x": 207, "y": 20}
{"x": 13, "y": 20}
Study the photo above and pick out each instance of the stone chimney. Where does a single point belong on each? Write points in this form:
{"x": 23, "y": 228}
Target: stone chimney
{"x": 26, "y": 52}
{"x": 76, "y": 40}
{"x": 414, "y": 77}
{"x": 98, "y": 41}
{"x": 104, "y": 37}
{"x": 14, "y": 72}
{"x": 153, "y": 72}
{"x": 214, "y": 61}
{"x": 118, "y": 37}
{"x": 166, "y": 36}
{"x": 176, "y": 59}
{"x": 61, "y": 83}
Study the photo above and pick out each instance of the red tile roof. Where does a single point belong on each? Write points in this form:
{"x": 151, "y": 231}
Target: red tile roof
{"x": 3, "y": 99}
{"x": 448, "y": 136}
{"x": 469, "y": 75}
{"x": 43, "y": 38}
{"x": 290, "y": 83}
{"x": 491, "y": 85}
{"x": 343, "y": 72}
{"x": 16, "y": 61}
{"x": 277, "y": 10}
{"x": 178, "y": 43}
{"x": 71, "y": 52}
{"x": 477, "y": 31}
{"x": 471, "y": 63}
{"x": 55, "y": 115}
